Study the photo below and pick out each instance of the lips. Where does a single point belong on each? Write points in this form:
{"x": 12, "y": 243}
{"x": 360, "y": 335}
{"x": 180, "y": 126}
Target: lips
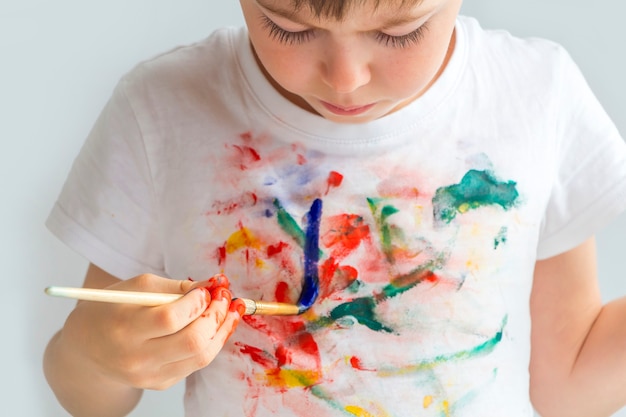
{"x": 347, "y": 111}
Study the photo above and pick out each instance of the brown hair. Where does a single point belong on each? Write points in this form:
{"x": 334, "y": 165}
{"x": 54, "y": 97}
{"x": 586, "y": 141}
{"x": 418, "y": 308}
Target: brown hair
{"x": 338, "y": 9}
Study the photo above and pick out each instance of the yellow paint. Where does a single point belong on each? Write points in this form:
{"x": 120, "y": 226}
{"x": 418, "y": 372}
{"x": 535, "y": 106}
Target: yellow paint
{"x": 357, "y": 411}
{"x": 292, "y": 378}
{"x": 428, "y": 400}
{"x": 464, "y": 208}
{"x": 242, "y": 238}
{"x": 472, "y": 266}
{"x": 445, "y": 407}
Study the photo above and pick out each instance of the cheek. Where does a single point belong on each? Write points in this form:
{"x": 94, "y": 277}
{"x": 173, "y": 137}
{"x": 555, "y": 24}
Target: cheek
{"x": 404, "y": 76}
{"x": 292, "y": 70}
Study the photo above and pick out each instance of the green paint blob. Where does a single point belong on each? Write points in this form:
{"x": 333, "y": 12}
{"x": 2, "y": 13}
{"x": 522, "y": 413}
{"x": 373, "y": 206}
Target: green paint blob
{"x": 362, "y": 309}
{"x": 476, "y": 189}
{"x": 386, "y": 233}
{"x": 288, "y": 224}
{"x": 501, "y": 237}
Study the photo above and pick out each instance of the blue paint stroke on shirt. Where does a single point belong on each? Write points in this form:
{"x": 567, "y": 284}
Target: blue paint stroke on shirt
{"x": 310, "y": 287}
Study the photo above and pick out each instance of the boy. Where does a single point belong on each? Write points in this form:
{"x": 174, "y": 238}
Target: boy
{"x": 459, "y": 176}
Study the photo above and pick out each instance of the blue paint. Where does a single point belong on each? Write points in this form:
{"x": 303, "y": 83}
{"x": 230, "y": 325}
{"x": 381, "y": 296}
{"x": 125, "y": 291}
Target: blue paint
{"x": 310, "y": 287}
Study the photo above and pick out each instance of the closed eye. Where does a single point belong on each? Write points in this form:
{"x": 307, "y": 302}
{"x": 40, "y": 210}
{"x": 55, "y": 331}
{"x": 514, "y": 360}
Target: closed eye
{"x": 284, "y": 36}
{"x": 402, "y": 41}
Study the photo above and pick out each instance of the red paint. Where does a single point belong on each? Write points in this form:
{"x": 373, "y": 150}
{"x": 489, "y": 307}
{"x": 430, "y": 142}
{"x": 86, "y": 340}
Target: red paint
{"x": 246, "y": 137}
{"x": 307, "y": 343}
{"x": 257, "y": 355}
{"x": 357, "y": 364}
{"x": 283, "y": 355}
{"x": 282, "y": 290}
{"x": 276, "y": 249}
{"x": 301, "y": 159}
{"x": 335, "y": 277}
{"x": 247, "y": 156}
{"x": 227, "y": 207}
{"x": 221, "y": 255}
{"x": 334, "y": 180}
{"x": 344, "y": 233}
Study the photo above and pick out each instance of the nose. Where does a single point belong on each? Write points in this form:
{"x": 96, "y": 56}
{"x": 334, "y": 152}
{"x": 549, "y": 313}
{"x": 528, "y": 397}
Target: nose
{"x": 345, "y": 68}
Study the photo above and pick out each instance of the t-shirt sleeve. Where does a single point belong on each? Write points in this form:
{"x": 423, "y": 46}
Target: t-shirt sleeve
{"x": 589, "y": 182}
{"x": 106, "y": 210}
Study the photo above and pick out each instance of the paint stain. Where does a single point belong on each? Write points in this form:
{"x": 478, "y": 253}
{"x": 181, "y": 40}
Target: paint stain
{"x": 357, "y": 411}
{"x": 257, "y": 355}
{"x": 288, "y": 224}
{"x": 501, "y": 237}
{"x": 335, "y": 277}
{"x": 310, "y": 287}
{"x": 243, "y": 238}
{"x": 281, "y": 292}
{"x": 334, "y": 180}
{"x": 246, "y": 156}
{"x": 428, "y": 401}
{"x": 356, "y": 363}
{"x": 344, "y": 233}
{"x": 381, "y": 213}
{"x": 273, "y": 250}
{"x": 479, "y": 350}
{"x": 363, "y": 309}
{"x": 476, "y": 189}
{"x": 292, "y": 378}
{"x": 227, "y": 207}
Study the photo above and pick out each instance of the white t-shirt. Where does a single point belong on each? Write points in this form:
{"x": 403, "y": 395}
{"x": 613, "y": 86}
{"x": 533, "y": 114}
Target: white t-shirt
{"x": 430, "y": 221}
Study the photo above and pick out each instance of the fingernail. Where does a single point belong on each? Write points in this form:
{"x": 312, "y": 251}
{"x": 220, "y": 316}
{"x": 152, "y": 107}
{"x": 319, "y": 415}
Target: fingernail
{"x": 220, "y": 293}
{"x": 207, "y": 295}
{"x": 220, "y": 280}
{"x": 239, "y": 306}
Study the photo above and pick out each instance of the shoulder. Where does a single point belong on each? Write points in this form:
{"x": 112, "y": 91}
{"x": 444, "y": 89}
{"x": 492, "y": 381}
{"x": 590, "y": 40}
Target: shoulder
{"x": 499, "y": 49}
{"x": 188, "y": 66}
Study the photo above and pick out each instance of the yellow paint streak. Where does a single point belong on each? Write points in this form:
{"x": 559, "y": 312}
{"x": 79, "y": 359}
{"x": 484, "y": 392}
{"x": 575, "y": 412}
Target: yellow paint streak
{"x": 358, "y": 411}
{"x": 292, "y": 378}
{"x": 242, "y": 238}
{"x": 464, "y": 208}
{"x": 428, "y": 400}
{"x": 445, "y": 407}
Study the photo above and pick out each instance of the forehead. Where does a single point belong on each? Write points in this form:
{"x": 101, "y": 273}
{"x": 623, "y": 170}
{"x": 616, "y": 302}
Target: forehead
{"x": 339, "y": 9}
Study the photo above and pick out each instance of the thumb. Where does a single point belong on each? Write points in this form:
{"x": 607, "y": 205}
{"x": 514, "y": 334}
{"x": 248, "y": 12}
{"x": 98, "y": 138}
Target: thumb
{"x": 154, "y": 283}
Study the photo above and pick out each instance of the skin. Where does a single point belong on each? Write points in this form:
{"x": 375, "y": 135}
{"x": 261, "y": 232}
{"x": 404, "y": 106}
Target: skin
{"x": 347, "y": 71}
{"x": 106, "y": 354}
{"x": 354, "y": 62}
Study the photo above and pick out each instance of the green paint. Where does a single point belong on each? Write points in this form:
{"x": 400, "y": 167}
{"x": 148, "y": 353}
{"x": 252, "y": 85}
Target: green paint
{"x": 480, "y": 350}
{"x": 288, "y": 224}
{"x": 386, "y": 232}
{"x": 501, "y": 237}
{"x": 476, "y": 189}
{"x": 407, "y": 281}
{"x": 363, "y": 308}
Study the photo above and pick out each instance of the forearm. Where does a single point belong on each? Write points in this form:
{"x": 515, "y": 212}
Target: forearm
{"x": 598, "y": 377}
{"x": 81, "y": 390}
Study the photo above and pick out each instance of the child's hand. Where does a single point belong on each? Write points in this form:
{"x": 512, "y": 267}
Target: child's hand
{"x": 154, "y": 347}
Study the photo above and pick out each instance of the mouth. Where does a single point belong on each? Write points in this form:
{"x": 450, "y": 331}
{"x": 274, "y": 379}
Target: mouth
{"x": 347, "y": 111}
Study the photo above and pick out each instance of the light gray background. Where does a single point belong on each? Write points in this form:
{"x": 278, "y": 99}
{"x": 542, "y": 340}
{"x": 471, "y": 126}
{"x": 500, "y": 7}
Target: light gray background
{"x": 59, "y": 61}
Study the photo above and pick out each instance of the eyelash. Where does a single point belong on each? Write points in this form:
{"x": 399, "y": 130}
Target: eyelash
{"x": 294, "y": 38}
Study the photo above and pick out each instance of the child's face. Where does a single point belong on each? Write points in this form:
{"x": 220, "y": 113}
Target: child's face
{"x": 365, "y": 66}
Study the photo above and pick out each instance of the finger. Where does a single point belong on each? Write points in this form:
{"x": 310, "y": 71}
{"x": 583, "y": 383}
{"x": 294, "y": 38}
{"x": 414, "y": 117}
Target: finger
{"x": 205, "y": 355}
{"x": 171, "y": 318}
{"x": 217, "y": 280}
{"x": 154, "y": 283}
{"x": 199, "y": 335}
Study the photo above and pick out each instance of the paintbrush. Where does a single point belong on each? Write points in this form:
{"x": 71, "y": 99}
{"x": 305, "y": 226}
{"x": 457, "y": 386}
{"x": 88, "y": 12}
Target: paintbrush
{"x": 156, "y": 299}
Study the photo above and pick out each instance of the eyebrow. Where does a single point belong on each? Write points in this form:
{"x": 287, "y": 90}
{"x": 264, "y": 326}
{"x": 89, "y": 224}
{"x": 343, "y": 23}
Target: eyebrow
{"x": 291, "y": 15}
